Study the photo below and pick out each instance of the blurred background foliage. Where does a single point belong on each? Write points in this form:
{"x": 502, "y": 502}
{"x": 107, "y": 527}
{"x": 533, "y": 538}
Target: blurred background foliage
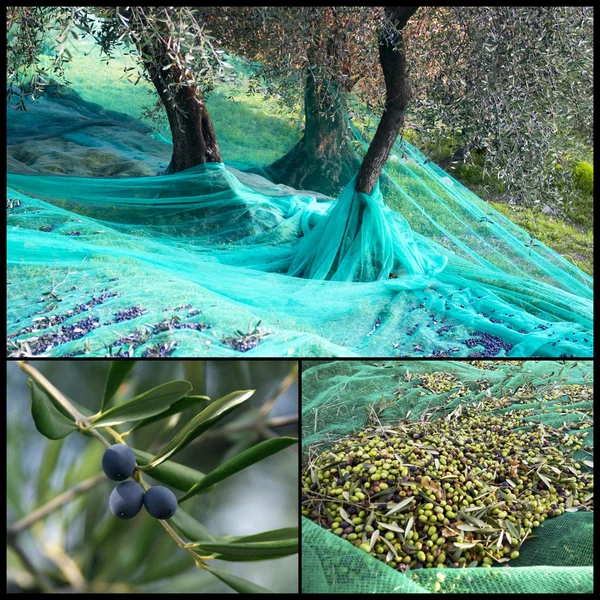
{"x": 82, "y": 546}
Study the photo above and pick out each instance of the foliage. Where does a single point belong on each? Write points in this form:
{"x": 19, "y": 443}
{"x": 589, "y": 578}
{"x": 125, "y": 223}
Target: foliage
{"x": 56, "y": 416}
{"x": 27, "y": 30}
{"x": 336, "y": 45}
{"x": 583, "y": 177}
{"x": 166, "y": 38}
{"x": 505, "y": 81}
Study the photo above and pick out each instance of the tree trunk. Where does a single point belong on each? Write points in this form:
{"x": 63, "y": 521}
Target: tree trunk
{"x": 322, "y": 160}
{"x": 194, "y": 139}
{"x": 392, "y": 57}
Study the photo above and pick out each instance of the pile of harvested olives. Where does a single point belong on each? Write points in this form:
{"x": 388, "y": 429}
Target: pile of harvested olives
{"x": 464, "y": 490}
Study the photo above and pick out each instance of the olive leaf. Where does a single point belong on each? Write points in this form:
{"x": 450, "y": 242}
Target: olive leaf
{"x": 190, "y": 528}
{"x": 145, "y": 405}
{"x": 171, "y": 473}
{"x": 409, "y": 526}
{"x": 47, "y": 419}
{"x": 345, "y": 515}
{"x": 239, "y": 463}
{"x": 465, "y": 544}
{"x": 400, "y": 506}
{"x": 391, "y": 547}
{"x": 285, "y": 533}
{"x": 50, "y": 394}
{"x": 200, "y": 423}
{"x": 237, "y": 583}
{"x": 247, "y": 551}
{"x": 374, "y": 539}
{"x": 391, "y": 526}
{"x": 512, "y": 530}
{"x": 117, "y": 373}
{"x": 177, "y": 407}
{"x": 50, "y": 457}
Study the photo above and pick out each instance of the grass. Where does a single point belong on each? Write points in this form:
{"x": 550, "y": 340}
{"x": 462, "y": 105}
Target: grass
{"x": 574, "y": 244}
{"x": 572, "y": 236}
{"x": 250, "y": 128}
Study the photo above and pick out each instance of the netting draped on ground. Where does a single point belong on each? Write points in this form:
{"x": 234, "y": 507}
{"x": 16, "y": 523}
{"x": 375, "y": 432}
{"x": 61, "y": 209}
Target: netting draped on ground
{"x": 106, "y": 256}
{"x": 340, "y": 398}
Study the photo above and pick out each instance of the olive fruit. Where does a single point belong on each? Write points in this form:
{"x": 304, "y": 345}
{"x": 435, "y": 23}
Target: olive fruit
{"x": 118, "y": 462}
{"x": 126, "y": 500}
{"x": 160, "y": 502}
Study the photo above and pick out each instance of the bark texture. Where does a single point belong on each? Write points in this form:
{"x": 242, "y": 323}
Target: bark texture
{"x": 194, "y": 138}
{"x": 322, "y": 160}
{"x": 392, "y": 56}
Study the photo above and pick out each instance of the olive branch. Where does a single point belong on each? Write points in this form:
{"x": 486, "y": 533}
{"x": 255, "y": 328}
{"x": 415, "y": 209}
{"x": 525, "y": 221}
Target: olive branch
{"x": 56, "y": 416}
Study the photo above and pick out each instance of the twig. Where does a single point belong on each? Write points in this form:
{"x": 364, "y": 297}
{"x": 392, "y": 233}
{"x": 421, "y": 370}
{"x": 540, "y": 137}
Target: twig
{"x": 284, "y": 420}
{"x": 182, "y": 544}
{"x": 225, "y": 431}
{"x": 284, "y": 385}
{"x": 66, "y": 565}
{"x": 57, "y": 502}
{"x": 66, "y": 496}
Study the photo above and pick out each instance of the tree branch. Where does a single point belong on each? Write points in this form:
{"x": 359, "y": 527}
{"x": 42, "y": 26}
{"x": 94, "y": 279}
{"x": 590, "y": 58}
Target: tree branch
{"x": 283, "y": 386}
{"x": 57, "y": 502}
{"x": 60, "y": 500}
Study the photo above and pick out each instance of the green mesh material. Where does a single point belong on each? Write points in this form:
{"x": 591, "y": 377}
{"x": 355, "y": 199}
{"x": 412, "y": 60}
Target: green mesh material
{"x": 336, "y": 400}
{"x": 103, "y": 253}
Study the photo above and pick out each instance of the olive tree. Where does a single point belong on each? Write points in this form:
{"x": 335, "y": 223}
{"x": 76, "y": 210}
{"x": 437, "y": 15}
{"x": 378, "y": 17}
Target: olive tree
{"x": 171, "y": 46}
{"x": 314, "y": 54}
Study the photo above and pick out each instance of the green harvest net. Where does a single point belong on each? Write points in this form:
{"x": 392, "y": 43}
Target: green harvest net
{"x": 106, "y": 256}
{"x": 337, "y": 398}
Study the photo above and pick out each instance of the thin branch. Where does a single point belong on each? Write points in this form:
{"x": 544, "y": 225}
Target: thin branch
{"x": 66, "y": 565}
{"x": 57, "y": 502}
{"x": 283, "y": 386}
{"x": 283, "y": 420}
{"x": 84, "y": 486}
{"x": 226, "y": 431}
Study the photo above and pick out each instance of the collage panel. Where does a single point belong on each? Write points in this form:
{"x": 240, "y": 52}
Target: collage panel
{"x": 129, "y": 477}
{"x": 447, "y": 476}
{"x": 255, "y": 204}
{"x": 299, "y": 299}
